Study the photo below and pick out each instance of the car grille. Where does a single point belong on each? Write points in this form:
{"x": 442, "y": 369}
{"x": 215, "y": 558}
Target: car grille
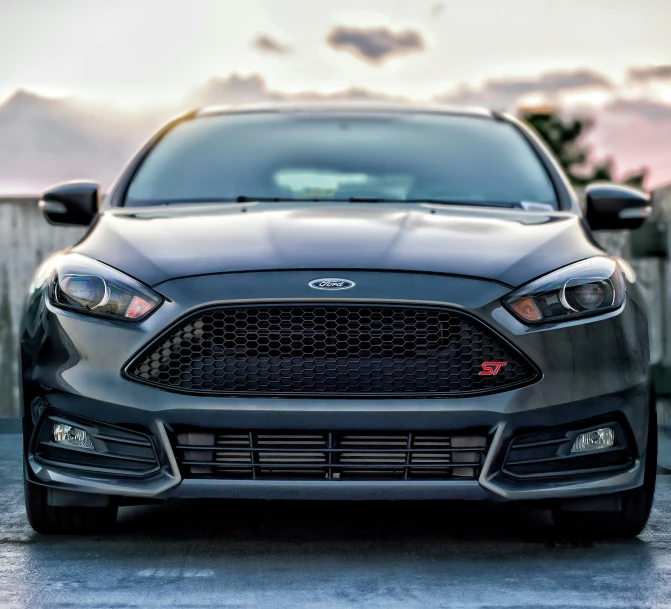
{"x": 330, "y": 350}
{"x": 336, "y": 455}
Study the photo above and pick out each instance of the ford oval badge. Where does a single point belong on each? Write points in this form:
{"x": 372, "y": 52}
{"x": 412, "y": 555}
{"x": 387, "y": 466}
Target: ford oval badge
{"x": 331, "y": 283}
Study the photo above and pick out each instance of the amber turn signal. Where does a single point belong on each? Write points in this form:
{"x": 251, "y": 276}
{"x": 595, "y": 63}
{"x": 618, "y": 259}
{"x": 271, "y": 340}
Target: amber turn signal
{"x": 526, "y": 309}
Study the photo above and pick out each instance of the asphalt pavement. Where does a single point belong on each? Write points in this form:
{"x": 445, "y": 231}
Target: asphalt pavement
{"x": 327, "y": 555}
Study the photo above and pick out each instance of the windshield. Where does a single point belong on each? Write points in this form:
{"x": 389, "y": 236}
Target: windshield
{"x": 392, "y": 157}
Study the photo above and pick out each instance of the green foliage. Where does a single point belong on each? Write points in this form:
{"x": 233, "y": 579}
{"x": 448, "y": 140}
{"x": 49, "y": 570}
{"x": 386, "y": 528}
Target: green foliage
{"x": 564, "y": 137}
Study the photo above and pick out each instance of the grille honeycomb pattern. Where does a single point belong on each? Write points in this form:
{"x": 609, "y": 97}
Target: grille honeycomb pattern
{"x": 329, "y": 350}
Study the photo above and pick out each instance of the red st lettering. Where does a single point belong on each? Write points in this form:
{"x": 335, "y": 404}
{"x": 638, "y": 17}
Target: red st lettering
{"x": 491, "y": 368}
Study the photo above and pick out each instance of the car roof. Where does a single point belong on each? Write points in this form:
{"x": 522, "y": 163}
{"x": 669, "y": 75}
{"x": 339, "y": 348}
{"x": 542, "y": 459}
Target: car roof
{"x": 347, "y": 107}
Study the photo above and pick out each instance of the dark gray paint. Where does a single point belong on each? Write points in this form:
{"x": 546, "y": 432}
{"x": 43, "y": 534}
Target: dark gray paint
{"x": 508, "y": 246}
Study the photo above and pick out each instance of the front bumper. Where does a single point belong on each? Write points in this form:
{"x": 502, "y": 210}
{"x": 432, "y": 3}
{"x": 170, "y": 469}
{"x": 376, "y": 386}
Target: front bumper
{"x": 591, "y": 369}
{"x": 491, "y": 483}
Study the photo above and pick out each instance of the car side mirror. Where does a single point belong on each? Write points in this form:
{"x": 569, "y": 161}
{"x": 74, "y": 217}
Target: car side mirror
{"x": 616, "y": 207}
{"x": 71, "y": 203}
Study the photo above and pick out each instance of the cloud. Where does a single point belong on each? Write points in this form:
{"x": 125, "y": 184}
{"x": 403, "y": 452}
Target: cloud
{"x": 636, "y": 133}
{"x": 267, "y": 44}
{"x": 573, "y": 79}
{"x": 233, "y": 90}
{"x": 437, "y": 9}
{"x": 352, "y": 94}
{"x": 375, "y": 45}
{"x": 236, "y": 89}
{"x": 506, "y": 92}
{"x": 643, "y": 74}
{"x": 652, "y": 111}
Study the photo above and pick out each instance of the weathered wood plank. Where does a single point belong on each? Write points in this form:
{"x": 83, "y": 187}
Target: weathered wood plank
{"x": 25, "y": 240}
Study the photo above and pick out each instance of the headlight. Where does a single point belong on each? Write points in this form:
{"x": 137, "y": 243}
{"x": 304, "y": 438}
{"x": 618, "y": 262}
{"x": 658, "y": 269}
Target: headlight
{"x": 89, "y": 286}
{"x": 590, "y": 287}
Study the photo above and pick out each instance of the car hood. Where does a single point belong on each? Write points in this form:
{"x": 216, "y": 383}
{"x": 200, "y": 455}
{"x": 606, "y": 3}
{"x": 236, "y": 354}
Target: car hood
{"x": 503, "y": 245}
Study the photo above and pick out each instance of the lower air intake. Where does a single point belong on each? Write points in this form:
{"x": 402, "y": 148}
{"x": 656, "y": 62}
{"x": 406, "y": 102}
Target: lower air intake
{"x": 322, "y": 455}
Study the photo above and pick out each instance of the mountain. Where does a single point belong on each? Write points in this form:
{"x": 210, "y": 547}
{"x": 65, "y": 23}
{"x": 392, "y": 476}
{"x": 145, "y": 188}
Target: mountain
{"x": 43, "y": 141}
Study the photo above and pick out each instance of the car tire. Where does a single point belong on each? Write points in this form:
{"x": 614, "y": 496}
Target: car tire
{"x": 635, "y": 505}
{"x": 65, "y": 520}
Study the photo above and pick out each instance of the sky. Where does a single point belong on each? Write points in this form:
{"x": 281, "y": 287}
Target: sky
{"x": 140, "y": 52}
{"x": 84, "y": 82}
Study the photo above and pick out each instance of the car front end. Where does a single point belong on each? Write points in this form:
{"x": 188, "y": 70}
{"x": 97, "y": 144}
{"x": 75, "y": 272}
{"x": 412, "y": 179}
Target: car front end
{"x": 263, "y": 350}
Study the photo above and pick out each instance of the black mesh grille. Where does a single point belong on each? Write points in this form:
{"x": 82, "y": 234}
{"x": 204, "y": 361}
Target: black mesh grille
{"x": 324, "y": 455}
{"x": 330, "y": 350}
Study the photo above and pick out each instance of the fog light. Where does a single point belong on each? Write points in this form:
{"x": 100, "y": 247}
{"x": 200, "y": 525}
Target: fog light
{"x": 594, "y": 440}
{"x": 72, "y": 436}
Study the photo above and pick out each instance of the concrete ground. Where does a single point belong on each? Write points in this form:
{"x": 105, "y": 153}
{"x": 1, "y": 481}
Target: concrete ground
{"x": 291, "y": 555}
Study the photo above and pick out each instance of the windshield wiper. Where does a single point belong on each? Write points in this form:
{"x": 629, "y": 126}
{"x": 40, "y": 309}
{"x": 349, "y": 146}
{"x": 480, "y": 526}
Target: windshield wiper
{"x": 248, "y": 199}
{"x": 245, "y": 199}
{"x": 437, "y": 202}
{"x": 372, "y": 200}
{"x": 467, "y": 203}
{"x": 501, "y": 204}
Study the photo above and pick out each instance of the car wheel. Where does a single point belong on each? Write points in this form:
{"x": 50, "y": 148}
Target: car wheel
{"x": 630, "y": 519}
{"x": 53, "y": 520}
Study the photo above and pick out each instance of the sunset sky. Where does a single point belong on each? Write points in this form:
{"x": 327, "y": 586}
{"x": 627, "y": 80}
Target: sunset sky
{"x": 146, "y": 51}
{"x": 84, "y": 82}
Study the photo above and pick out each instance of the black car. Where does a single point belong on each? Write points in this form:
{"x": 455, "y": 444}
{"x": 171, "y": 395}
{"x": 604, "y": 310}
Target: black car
{"x": 339, "y": 302}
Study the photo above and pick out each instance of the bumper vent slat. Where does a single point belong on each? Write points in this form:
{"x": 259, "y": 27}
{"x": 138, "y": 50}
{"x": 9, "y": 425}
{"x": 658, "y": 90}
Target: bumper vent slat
{"x": 330, "y": 350}
{"x": 329, "y": 456}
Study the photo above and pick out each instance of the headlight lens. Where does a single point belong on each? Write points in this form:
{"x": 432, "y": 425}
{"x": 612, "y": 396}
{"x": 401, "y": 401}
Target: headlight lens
{"x": 92, "y": 287}
{"x": 589, "y": 287}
